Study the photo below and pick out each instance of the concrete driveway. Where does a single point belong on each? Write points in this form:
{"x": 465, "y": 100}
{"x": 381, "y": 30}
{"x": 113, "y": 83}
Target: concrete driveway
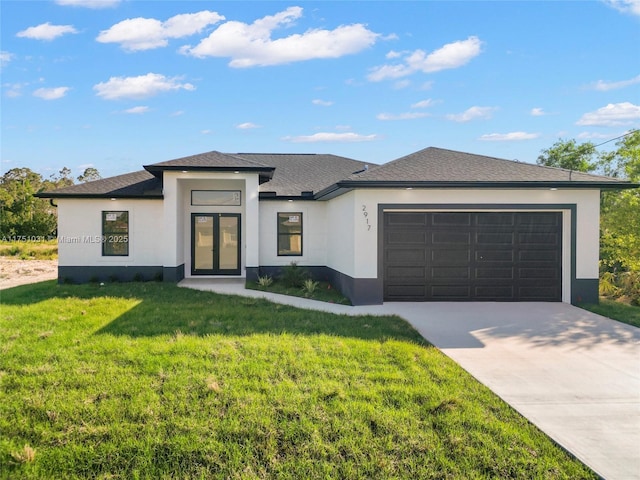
{"x": 574, "y": 374}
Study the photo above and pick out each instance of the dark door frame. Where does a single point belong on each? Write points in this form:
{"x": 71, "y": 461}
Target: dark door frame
{"x": 215, "y": 270}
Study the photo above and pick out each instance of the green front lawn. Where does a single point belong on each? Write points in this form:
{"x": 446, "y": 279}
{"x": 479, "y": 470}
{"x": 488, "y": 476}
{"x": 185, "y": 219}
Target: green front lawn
{"x": 148, "y": 380}
{"x": 622, "y": 312}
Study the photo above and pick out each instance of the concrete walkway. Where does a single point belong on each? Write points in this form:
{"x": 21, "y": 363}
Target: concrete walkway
{"x": 574, "y": 374}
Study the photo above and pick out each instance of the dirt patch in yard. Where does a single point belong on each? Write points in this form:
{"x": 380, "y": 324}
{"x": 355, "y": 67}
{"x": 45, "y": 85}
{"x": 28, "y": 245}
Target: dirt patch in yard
{"x": 14, "y": 272}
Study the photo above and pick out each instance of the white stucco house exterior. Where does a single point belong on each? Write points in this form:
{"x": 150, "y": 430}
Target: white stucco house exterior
{"x": 433, "y": 225}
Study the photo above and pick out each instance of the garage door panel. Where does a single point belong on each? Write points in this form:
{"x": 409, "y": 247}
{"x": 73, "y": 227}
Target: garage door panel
{"x": 494, "y": 292}
{"x": 407, "y": 256}
{"x": 450, "y": 292}
{"x": 494, "y": 219}
{"x": 406, "y": 237}
{"x": 506, "y": 273}
{"x": 450, "y": 257}
{"x": 536, "y": 293}
{"x": 451, "y": 238}
{"x": 533, "y": 239}
{"x": 484, "y": 256}
{"x": 407, "y": 219}
{"x": 549, "y": 256}
{"x": 406, "y": 274}
{"x": 406, "y": 292}
{"x": 451, "y": 219}
{"x": 494, "y": 238}
{"x": 454, "y": 256}
{"x": 450, "y": 273}
{"x": 537, "y": 219}
{"x": 535, "y": 273}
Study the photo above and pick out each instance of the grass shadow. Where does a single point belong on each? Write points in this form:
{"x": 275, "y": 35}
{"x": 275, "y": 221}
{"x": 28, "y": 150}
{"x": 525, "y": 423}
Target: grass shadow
{"x": 165, "y": 309}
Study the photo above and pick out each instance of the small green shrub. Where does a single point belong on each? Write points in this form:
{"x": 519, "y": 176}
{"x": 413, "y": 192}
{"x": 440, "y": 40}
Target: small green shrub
{"x": 265, "y": 281}
{"x": 621, "y": 284}
{"x": 309, "y": 287}
{"x": 608, "y": 285}
{"x": 294, "y": 275}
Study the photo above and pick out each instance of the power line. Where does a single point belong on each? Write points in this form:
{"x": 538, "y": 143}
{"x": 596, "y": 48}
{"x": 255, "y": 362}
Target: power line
{"x": 612, "y": 139}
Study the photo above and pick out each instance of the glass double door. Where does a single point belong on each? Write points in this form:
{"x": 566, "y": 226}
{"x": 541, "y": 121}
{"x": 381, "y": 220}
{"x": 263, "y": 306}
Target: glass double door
{"x": 215, "y": 244}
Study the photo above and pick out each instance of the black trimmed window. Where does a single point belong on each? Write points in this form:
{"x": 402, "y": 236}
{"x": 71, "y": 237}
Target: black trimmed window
{"x": 289, "y": 233}
{"x": 115, "y": 233}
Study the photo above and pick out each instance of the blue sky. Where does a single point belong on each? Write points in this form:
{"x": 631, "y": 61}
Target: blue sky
{"x": 117, "y": 84}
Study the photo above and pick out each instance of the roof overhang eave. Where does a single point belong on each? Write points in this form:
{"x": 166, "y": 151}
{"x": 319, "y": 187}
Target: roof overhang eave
{"x": 102, "y": 196}
{"x": 157, "y": 171}
{"x": 351, "y": 184}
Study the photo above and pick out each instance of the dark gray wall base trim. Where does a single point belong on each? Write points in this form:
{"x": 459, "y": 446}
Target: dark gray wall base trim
{"x": 585, "y": 290}
{"x": 173, "y": 274}
{"x": 108, "y": 273}
{"x": 359, "y": 291}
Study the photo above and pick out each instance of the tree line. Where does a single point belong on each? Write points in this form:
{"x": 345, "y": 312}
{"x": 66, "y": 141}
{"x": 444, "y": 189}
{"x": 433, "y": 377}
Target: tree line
{"x": 24, "y": 215}
{"x": 619, "y": 210}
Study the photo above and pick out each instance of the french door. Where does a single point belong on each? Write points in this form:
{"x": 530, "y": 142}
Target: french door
{"x": 215, "y": 244}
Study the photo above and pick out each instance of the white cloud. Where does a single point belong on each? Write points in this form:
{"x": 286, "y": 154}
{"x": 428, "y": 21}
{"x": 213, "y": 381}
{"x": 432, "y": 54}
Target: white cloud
{"x": 473, "y": 113}
{"x": 51, "y": 93}
{"x": 46, "y": 31}
{"x": 401, "y": 116}
{"x": 134, "y": 34}
{"x": 252, "y": 45}
{"x": 247, "y": 126}
{"x": 142, "y": 86}
{"x": 625, "y": 6}
{"x": 137, "y": 110}
{"x": 451, "y": 55}
{"x": 400, "y": 84}
{"x": 423, "y": 104}
{"x": 393, "y": 54}
{"x": 537, "y": 112}
{"x": 322, "y": 103}
{"x": 509, "y": 137}
{"x": 5, "y": 57}
{"x": 612, "y": 115}
{"x": 348, "y": 137}
{"x": 177, "y": 113}
{"x": 13, "y": 90}
{"x": 95, "y": 4}
{"x": 606, "y": 86}
{"x": 206, "y": 132}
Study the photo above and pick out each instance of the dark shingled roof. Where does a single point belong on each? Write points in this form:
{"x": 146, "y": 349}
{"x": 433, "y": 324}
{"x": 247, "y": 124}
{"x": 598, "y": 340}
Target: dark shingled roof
{"x": 213, "y": 160}
{"x": 297, "y": 173}
{"x": 435, "y": 165}
{"x": 320, "y": 175}
{"x": 130, "y": 185}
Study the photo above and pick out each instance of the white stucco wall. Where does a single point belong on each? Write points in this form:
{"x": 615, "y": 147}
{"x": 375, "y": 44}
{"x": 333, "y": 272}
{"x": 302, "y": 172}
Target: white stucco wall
{"x": 314, "y": 232}
{"x": 343, "y": 229}
{"x": 80, "y": 225}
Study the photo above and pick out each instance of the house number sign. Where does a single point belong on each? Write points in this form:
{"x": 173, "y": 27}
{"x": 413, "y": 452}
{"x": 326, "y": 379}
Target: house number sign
{"x": 365, "y": 214}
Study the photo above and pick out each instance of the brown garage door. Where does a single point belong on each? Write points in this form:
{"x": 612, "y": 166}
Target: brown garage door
{"x": 474, "y": 256}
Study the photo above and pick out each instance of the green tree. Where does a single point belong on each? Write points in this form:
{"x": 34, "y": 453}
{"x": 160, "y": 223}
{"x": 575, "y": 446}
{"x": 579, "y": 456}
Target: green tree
{"x": 89, "y": 175}
{"x": 20, "y": 212}
{"x": 568, "y": 154}
{"x": 620, "y": 210}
